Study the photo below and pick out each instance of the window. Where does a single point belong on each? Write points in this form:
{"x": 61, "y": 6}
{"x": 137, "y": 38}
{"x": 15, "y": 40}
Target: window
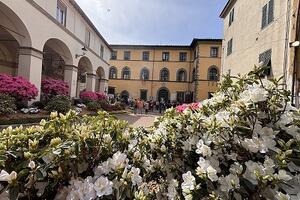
{"x": 146, "y": 55}
{"x": 143, "y": 95}
{"x": 164, "y": 74}
{"x": 165, "y": 56}
{"x": 180, "y": 97}
{"x": 181, "y": 75}
{"x": 145, "y": 74}
{"x": 114, "y": 55}
{"x": 61, "y": 13}
{"x": 265, "y": 59}
{"x": 113, "y": 73}
{"x": 101, "y": 52}
{"x": 231, "y": 17}
{"x": 87, "y": 37}
{"x": 267, "y": 14}
{"x": 182, "y": 56}
{"x": 214, "y": 52}
{"x": 126, "y": 55}
{"x": 213, "y": 74}
{"x": 126, "y": 73}
{"x": 229, "y": 47}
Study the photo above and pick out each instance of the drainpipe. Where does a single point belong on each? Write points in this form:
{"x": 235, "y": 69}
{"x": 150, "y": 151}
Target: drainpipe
{"x": 287, "y": 47}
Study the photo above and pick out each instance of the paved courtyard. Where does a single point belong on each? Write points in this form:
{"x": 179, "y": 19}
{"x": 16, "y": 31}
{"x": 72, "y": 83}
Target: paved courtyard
{"x": 138, "y": 120}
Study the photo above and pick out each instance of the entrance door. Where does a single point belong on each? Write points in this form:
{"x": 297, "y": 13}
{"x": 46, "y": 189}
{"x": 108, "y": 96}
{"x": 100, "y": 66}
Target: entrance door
{"x": 163, "y": 94}
{"x": 143, "y": 95}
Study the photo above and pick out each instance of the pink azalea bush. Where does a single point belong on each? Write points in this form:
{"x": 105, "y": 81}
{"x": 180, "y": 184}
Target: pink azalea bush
{"x": 192, "y": 106}
{"x": 53, "y": 87}
{"x": 17, "y": 87}
{"x": 92, "y": 96}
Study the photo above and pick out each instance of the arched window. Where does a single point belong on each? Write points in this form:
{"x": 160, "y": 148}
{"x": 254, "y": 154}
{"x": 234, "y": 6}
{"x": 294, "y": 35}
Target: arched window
{"x": 126, "y": 73}
{"x": 181, "y": 75}
{"x": 164, "y": 74}
{"x": 145, "y": 74}
{"x": 113, "y": 73}
{"x": 213, "y": 74}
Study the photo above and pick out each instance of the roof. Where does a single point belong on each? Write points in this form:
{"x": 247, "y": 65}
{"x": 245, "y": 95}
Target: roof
{"x": 227, "y": 7}
{"x": 90, "y": 23}
{"x": 141, "y": 46}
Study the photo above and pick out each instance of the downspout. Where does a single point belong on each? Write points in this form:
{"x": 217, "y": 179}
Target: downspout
{"x": 294, "y": 94}
{"x": 153, "y": 63}
{"x": 286, "y": 50}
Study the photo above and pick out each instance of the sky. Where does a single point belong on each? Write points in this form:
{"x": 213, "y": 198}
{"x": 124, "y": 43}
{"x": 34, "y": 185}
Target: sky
{"x": 155, "y": 22}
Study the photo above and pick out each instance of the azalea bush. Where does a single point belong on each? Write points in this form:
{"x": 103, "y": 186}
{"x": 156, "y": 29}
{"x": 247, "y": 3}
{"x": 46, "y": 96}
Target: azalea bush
{"x": 7, "y": 104}
{"x": 17, "y": 87}
{"x": 60, "y": 104}
{"x": 241, "y": 144}
{"x": 53, "y": 87}
{"x": 88, "y": 96}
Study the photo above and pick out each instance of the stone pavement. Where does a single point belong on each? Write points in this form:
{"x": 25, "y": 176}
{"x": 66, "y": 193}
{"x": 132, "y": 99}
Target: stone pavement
{"x": 138, "y": 120}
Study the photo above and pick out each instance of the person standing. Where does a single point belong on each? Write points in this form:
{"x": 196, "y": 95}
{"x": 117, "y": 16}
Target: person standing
{"x": 135, "y": 106}
{"x": 146, "y": 107}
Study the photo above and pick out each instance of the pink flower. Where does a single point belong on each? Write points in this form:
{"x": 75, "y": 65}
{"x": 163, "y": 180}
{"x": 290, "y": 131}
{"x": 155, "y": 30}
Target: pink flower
{"x": 53, "y": 87}
{"x": 92, "y": 96}
{"x": 192, "y": 106}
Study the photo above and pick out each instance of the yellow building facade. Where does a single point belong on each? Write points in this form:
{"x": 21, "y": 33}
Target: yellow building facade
{"x": 172, "y": 73}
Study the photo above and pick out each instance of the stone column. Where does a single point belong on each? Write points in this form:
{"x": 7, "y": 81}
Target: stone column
{"x": 30, "y": 66}
{"x": 103, "y": 85}
{"x": 91, "y": 82}
{"x": 71, "y": 72}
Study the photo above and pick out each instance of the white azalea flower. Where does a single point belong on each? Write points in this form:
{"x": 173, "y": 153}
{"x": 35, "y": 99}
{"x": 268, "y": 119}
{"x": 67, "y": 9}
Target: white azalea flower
{"x": 6, "y": 177}
{"x": 282, "y": 175}
{"x": 118, "y": 161}
{"x": 229, "y": 182}
{"x": 281, "y": 196}
{"x": 104, "y": 168}
{"x": 103, "y": 186}
{"x": 31, "y": 165}
{"x": 203, "y": 149}
{"x": 136, "y": 179}
{"x": 189, "y": 182}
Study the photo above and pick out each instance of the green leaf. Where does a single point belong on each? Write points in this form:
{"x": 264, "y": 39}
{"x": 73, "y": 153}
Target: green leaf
{"x": 14, "y": 193}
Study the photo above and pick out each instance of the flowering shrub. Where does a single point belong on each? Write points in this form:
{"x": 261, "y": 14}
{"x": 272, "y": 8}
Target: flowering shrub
{"x": 17, "y": 87}
{"x": 88, "y": 96}
{"x": 60, "y": 104}
{"x": 192, "y": 106}
{"x": 241, "y": 144}
{"x": 53, "y": 87}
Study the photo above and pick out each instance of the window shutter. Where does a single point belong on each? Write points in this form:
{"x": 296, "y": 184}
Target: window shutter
{"x": 264, "y": 16}
{"x": 271, "y": 11}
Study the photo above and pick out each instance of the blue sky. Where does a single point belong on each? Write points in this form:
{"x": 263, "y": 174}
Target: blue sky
{"x": 155, "y": 21}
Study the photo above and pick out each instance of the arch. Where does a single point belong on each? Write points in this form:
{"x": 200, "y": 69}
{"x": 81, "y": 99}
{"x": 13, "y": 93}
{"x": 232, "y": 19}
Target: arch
{"x": 56, "y": 56}
{"x": 84, "y": 69}
{"x": 213, "y": 73}
{"x": 100, "y": 73}
{"x": 181, "y": 75}
{"x": 13, "y": 35}
{"x": 163, "y": 93}
{"x": 164, "y": 74}
{"x": 126, "y": 73}
{"x": 14, "y": 25}
{"x": 124, "y": 95}
{"x": 145, "y": 74}
{"x": 113, "y": 72}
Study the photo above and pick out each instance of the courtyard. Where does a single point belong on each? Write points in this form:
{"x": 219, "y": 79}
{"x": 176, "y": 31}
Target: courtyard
{"x": 139, "y": 120}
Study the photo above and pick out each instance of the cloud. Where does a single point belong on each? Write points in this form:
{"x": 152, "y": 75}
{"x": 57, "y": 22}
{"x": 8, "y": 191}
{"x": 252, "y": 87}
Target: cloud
{"x": 155, "y": 21}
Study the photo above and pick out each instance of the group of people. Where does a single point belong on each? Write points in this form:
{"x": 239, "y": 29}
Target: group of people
{"x": 140, "y": 106}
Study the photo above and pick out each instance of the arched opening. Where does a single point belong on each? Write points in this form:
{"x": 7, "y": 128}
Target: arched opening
{"x": 100, "y": 82}
{"x": 163, "y": 94}
{"x": 164, "y": 74}
{"x": 124, "y": 96}
{"x": 13, "y": 35}
{"x": 213, "y": 73}
{"x": 113, "y": 73}
{"x": 181, "y": 75}
{"x": 84, "y": 71}
{"x": 145, "y": 74}
{"x": 56, "y": 56}
{"x": 126, "y": 73}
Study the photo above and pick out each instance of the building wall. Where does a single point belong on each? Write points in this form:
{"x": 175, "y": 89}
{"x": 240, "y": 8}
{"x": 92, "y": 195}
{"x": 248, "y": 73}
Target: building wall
{"x": 250, "y": 40}
{"x": 33, "y": 29}
{"x": 155, "y": 65}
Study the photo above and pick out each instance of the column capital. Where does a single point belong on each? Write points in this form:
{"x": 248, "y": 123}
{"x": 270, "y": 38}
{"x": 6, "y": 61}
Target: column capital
{"x": 30, "y": 51}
